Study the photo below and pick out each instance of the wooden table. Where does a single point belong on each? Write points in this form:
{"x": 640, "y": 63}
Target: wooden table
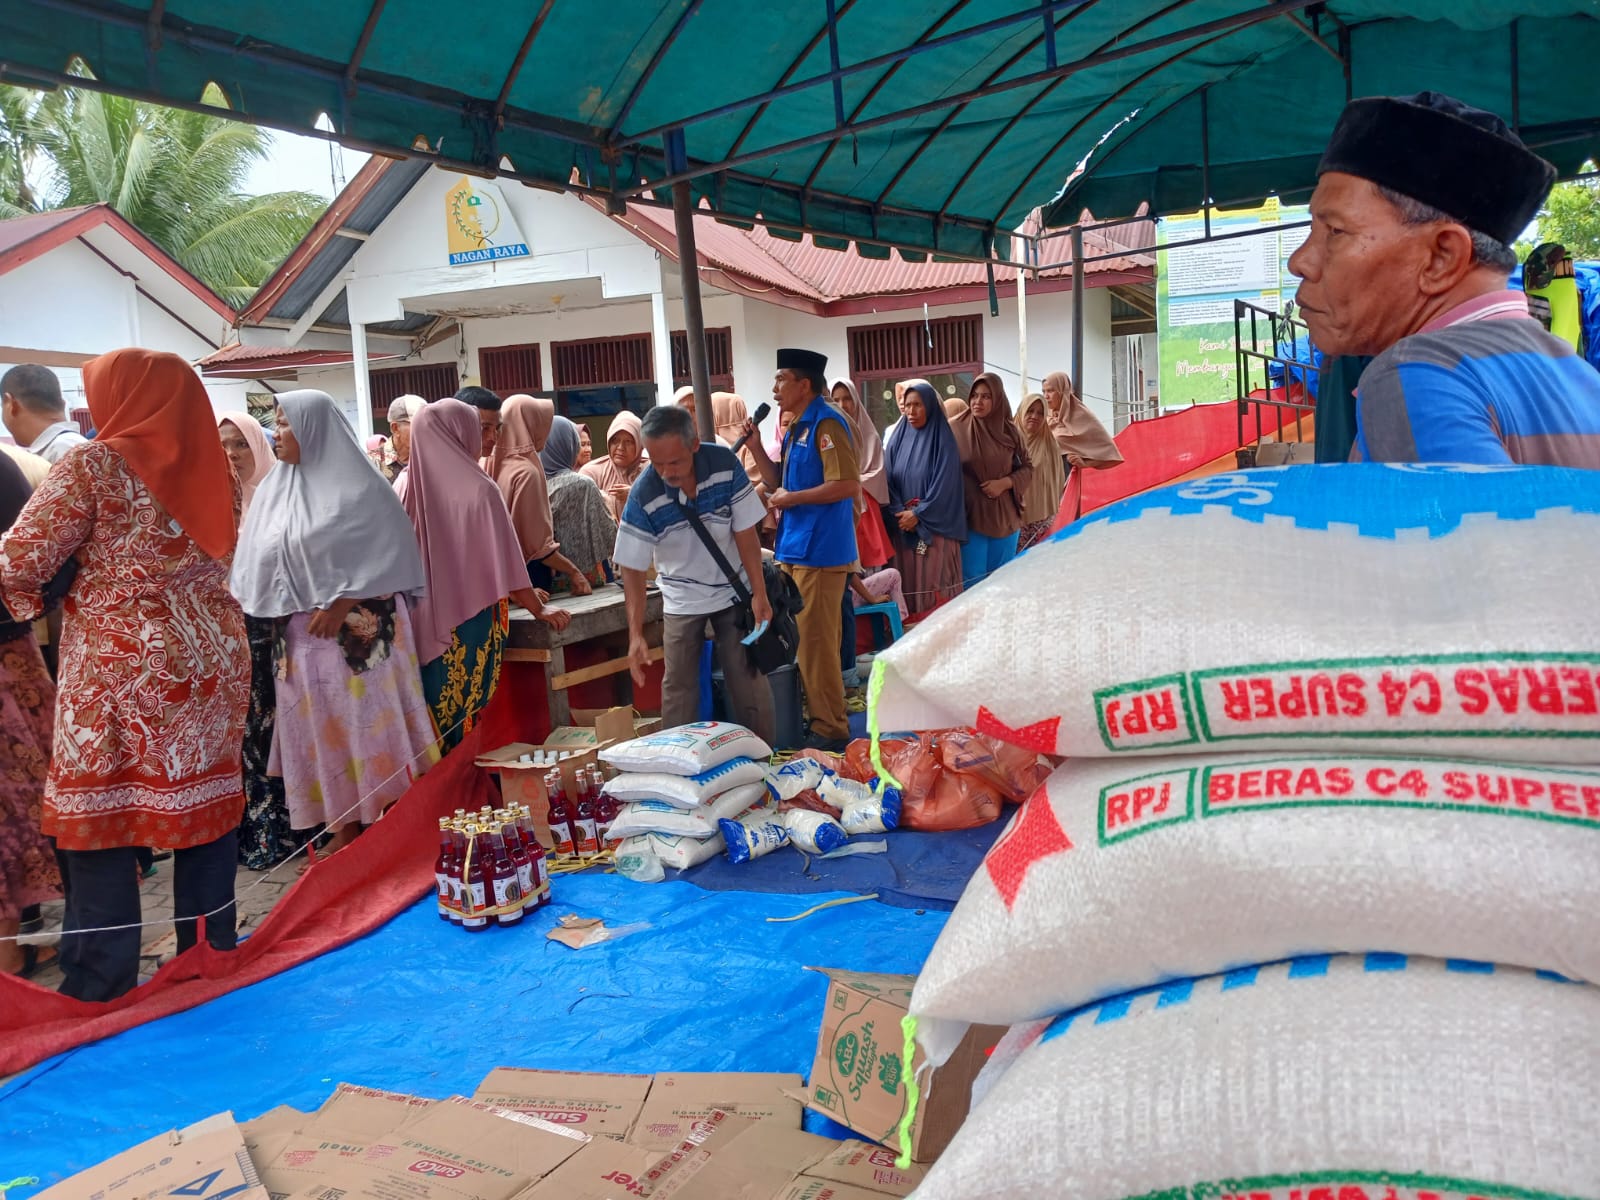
{"x": 601, "y": 616}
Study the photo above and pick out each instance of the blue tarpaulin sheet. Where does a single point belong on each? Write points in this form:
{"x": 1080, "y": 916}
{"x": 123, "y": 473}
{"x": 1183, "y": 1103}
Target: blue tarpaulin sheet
{"x": 419, "y": 1006}
{"x": 918, "y": 870}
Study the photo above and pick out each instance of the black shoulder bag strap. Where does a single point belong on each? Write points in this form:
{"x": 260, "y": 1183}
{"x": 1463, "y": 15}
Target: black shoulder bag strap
{"x": 740, "y": 591}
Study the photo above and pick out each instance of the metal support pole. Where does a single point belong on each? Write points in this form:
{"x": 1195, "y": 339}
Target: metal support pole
{"x": 358, "y": 361}
{"x": 1022, "y": 324}
{"x": 661, "y": 336}
{"x": 694, "y": 321}
{"x": 1077, "y": 308}
{"x": 1205, "y": 157}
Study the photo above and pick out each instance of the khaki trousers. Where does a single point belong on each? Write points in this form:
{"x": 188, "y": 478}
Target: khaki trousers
{"x": 822, "y": 589}
{"x": 749, "y": 692}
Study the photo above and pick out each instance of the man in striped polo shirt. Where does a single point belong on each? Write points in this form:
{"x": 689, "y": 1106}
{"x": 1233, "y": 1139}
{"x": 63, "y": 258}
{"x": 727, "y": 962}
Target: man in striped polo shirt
{"x": 683, "y": 474}
{"x": 1418, "y": 200}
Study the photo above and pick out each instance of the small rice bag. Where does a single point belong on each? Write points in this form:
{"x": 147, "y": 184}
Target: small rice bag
{"x": 686, "y": 750}
{"x": 873, "y": 813}
{"x": 799, "y": 775}
{"x": 636, "y": 859}
{"x": 685, "y": 852}
{"x": 685, "y": 791}
{"x": 754, "y": 834}
{"x": 813, "y": 832}
{"x": 657, "y": 816}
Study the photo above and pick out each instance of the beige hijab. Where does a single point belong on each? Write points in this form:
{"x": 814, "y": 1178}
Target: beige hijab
{"x": 869, "y": 445}
{"x": 1077, "y": 431}
{"x": 525, "y": 423}
{"x": 607, "y": 477}
{"x": 1043, "y": 497}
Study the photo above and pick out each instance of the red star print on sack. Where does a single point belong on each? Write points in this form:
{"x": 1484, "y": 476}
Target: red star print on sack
{"x": 1034, "y": 834}
{"x": 1039, "y": 737}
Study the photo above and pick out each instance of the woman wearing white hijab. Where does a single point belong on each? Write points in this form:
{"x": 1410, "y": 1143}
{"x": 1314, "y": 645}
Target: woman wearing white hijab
{"x": 330, "y": 556}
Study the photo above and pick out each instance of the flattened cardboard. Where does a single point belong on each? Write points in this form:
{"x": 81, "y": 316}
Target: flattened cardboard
{"x": 267, "y": 1136}
{"x": 362, "y": 1113}
{"x": 866, "y": 1167}
{"x": 205, "y": 1159}
{"x": 858, "y": 1076}
{"x": 605, "y": 1169}
{"x": 728, "y": 1157}
{"x": 458, "y": 1150}
{"x": 304, "y": 1159}
{"x": 597, "y": 1104}
{"x": 808, "y": 1187}
{"x": 677, "y": 1101}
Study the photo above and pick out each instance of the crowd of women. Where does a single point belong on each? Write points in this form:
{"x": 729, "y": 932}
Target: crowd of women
{"x": 267, "y": 637}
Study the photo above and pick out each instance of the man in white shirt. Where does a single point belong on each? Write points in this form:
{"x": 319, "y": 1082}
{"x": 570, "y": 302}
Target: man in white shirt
{"x": 686, "y": 474}
{"x": 34, "y": 413}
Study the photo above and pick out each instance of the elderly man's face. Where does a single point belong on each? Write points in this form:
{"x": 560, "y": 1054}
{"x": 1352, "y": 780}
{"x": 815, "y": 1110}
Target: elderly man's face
{"x": 1359, "y": 268}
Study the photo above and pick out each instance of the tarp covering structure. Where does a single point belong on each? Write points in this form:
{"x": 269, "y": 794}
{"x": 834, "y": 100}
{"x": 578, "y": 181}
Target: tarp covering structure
{"x": 1259, "y": 127}
{"x": 929, "y": 126}
{"x": 420, "y": 1006}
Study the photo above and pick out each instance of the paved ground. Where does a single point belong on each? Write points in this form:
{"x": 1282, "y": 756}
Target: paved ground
{"x": 258, "y": 891}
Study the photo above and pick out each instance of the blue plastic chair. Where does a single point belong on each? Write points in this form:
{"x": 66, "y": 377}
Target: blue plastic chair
{"x": 890, "y": 612}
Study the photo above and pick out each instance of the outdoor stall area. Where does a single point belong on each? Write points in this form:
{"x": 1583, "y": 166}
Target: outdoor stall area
{"x": 969, "y": 772}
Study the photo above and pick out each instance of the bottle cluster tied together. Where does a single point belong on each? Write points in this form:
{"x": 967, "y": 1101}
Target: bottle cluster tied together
{"x": 491, "y": 869}
{"x": 581, "y": 815}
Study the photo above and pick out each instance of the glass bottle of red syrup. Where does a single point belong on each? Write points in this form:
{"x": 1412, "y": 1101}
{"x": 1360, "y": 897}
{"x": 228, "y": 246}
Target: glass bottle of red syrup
{"x": 541, "y": 865}
{"x": 607, "y": 807}
{"x": 561, "y": 814}
{"x": 521, "y": 856}
{"x": 508, "y": 901}
{"x": 584, "y": 831}
{"x": 476, "y": 880}
{"x": 443, "y": 886}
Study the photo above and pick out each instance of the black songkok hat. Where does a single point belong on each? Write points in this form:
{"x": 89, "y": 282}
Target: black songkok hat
{"x": 804, "y": 362}
{"x": 1433, "y": 148}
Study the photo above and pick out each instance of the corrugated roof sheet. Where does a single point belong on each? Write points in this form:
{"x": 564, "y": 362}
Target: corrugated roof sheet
{"x": 19, "y": 230}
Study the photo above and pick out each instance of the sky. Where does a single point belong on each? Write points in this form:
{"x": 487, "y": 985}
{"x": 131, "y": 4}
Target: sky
{"x": 301, "y": 164}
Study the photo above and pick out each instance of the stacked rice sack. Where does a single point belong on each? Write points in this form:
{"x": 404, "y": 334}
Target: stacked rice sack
{"x": 1320, "y": 928}
{"x": 813, "y": 808}
{"x": 675, "y": 786}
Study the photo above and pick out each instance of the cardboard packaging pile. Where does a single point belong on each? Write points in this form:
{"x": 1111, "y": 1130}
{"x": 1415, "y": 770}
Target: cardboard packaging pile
{"x": 559, "y": 1135}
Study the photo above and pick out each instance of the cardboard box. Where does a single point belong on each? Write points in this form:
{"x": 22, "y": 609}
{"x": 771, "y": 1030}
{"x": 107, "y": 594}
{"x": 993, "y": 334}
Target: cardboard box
{"x": 339, "y": 1132}
{"x": 605, "y": 1169}
{"x": 729, "y": 1157}
{"x": 655, "y": 1112}
{"x": 678, "y": 1102}
{"x": 863, "y": 1167}
{"x": 523, "y": 782}
{"x": 363, "y": 1113}
{"x": 859, "y": 1075}
{"x": 205, "y": 1159}
{"x": 458, "y": 1150}
{"x": 596, "y": 1104}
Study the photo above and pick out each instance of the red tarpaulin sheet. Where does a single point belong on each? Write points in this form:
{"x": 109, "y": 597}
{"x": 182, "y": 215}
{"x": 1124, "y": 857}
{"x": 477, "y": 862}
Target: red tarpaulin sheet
{"x": 352, "y": 893}
{"x": 1164, "y": 449}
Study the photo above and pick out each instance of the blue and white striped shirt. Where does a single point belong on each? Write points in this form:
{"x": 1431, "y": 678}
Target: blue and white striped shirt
{"x": 654, "y": 529}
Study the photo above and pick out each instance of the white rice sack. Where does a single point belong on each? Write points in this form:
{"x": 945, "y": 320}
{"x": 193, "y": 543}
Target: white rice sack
{"x": 686, "y": 791}
{"x": 814, "y": 832}
{"x": 1116, "y": 875}
{"x": 1362, "y": 606}
{"x": 657, "y": 816}
{"x": 683, "y": 852}
{"x": 754, "y": 835}
{"x": 1357, "y": 1078}
{"x": 686, "y": 749}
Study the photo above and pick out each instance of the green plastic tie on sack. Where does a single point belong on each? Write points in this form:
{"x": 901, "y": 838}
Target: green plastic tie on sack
{"x": 874, "y": 690}
{"x": 24, "y": 1181}
{"x": 908, "y": 1026}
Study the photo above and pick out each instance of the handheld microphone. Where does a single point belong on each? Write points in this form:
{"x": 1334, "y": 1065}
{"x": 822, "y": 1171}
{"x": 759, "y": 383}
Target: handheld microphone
{"x": 761, "y": 412}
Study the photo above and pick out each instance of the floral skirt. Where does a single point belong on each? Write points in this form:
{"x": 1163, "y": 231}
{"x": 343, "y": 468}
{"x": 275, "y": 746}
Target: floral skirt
{"x": 265, "y": 838}
{"x": 349, "y": 742}
{"x": 28, "y": 872}
{"x": 460, "y": 681}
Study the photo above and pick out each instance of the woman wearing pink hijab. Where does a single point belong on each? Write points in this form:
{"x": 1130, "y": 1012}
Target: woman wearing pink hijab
{"x": 249, "y": 452}
{"x": 473, "y": 564}
{"x": 621, "y": 464}
{"x": 525, "y": 423}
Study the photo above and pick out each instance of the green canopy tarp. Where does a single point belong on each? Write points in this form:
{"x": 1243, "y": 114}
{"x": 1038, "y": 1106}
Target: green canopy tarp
{"x": 931, "y": 125}
{"x": 1261, "y": 129}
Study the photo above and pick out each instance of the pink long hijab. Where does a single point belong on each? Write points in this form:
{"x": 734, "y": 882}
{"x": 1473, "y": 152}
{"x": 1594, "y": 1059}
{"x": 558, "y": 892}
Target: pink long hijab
{"x": 469, "y": 549}
{"x": 260, "y": 449}
{"x": 525, "y": 423}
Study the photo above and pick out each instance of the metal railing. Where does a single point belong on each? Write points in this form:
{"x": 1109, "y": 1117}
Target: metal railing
{"x": 1276, "y": 348}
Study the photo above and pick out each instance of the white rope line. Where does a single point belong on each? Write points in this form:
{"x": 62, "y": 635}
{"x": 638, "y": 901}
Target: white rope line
{"x": 265, "y": 875}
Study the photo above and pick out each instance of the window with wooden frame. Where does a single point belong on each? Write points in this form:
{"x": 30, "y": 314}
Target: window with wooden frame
{"x": 947, "y": 345}
{"x": 719, "y": 358}
{"x": 431, "y": 381}
{"x": 602, "y": 362}
{"x": 507, "y": 370}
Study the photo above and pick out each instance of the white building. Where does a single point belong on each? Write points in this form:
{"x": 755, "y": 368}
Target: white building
{"x": 437, "y": 280}
{"x": 77, "y": 282}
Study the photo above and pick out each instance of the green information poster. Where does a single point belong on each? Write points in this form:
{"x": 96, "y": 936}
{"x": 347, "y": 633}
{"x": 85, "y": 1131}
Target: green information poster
{"x": 1197, "y": 285}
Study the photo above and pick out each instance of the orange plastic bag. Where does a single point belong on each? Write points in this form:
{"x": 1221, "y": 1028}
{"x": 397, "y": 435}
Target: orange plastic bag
{"x": 948, "y": 780}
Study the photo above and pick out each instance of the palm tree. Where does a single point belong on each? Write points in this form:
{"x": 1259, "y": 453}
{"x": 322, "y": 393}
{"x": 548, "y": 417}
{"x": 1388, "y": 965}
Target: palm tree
{"x": 176, "y": 175}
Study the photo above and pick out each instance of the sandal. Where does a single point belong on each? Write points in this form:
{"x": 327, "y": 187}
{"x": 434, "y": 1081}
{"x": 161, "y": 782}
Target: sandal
{"x": 32, "y": 963}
